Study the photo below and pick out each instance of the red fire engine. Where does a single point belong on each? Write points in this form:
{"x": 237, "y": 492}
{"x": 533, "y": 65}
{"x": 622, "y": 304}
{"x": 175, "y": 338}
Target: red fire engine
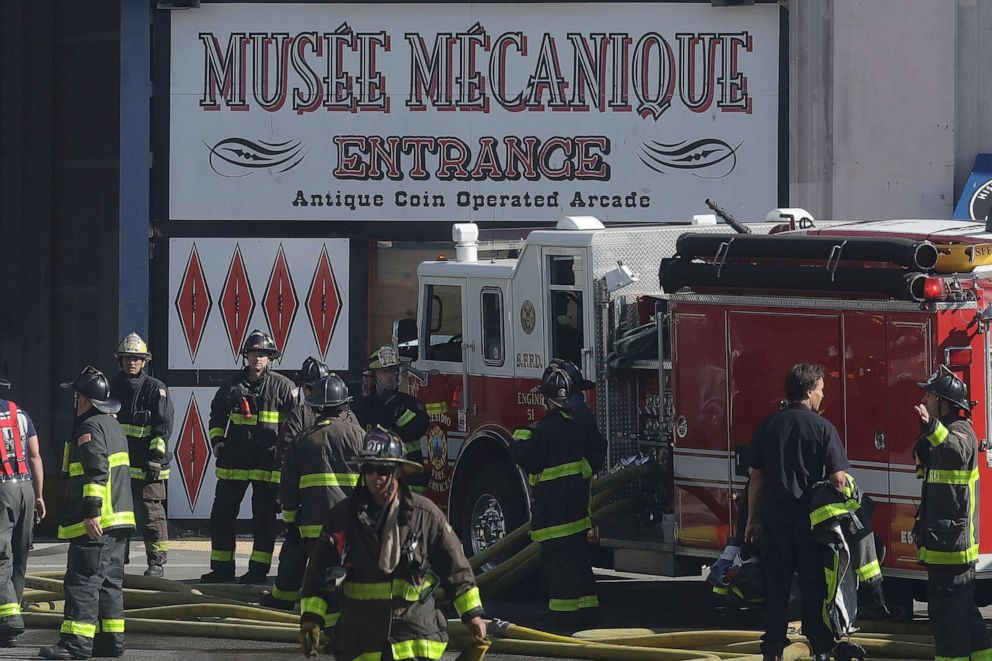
{"x": 879, "y": 304}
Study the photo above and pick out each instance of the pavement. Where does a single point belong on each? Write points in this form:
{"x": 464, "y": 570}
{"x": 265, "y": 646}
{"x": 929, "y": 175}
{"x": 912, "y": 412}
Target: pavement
{"x": 626, "y": 601}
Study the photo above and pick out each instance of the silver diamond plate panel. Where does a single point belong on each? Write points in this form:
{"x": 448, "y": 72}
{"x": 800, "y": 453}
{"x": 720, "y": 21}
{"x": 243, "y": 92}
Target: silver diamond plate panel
{"x": 642, "y": 248}
{"x": 818, "y": 303}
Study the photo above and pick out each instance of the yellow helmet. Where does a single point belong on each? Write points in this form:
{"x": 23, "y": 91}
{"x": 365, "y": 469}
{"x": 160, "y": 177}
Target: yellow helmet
{"x": 383, "y": 358}
{"x": 133, "y": 345}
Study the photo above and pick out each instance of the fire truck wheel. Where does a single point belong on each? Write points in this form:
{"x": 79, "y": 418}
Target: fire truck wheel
{"x": 493, "y": 507}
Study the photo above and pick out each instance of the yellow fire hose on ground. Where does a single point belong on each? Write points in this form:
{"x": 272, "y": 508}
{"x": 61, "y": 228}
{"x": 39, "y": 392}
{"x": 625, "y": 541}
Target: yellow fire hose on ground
{"x": 163, "y": 607}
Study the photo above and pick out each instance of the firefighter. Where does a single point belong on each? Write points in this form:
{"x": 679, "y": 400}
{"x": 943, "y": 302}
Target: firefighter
{"x": 146, "y": 418}
{"x": 292, "y": 551}
{"x": 385, "y": 406}
{"x": 595, "y": 451}
{"x": 947, "y": 519}
{"x": 317, "y": 474}
{"x": 552, "y": 452}
{"x": 245, "y": 416}
{"x": 792, "y": 450}
{"x": 21, "y": 487}
{"x": 96, "y": 518}
{"x": 381, "y": 554}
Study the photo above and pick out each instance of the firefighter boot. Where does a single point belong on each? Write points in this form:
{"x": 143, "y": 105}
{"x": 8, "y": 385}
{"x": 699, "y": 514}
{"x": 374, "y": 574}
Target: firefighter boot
{"x": 58, "y": 651}
{"x": 156, "y": 571}
{"x": 253, "y": 577}
{"x": 267, "y": 600}
{"x": 218, "y": 576}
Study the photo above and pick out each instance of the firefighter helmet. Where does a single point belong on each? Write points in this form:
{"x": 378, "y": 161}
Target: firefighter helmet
{"x": 558, "y": 387}
{"x": 133, "y": 345}
{"x": 573, "y": 372}
{"x": 945, "y": 385}
{"x": 328, "y": 391}
{"x": 92, "y": 384}
{"x": 384, "y": 357}
{"x": 311, "y": 372}
{"x": 382, "y": 447}
{"x": 260, "y": 341}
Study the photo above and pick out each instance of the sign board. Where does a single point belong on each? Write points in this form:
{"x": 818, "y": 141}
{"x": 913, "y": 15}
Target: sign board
{"x": 975, "y": 202}
{"x": 464, "y": 111}
{"x": 220, "y": 289}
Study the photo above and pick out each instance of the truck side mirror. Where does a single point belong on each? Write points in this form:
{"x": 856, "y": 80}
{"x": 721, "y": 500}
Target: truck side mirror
{"x": 404, "y": 330}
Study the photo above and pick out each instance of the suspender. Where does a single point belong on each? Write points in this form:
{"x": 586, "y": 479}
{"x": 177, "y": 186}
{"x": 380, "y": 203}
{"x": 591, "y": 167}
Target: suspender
{"x": 20, "y": 466}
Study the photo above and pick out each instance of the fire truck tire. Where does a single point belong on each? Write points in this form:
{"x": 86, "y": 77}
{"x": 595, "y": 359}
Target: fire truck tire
{"x": 493, "y": 507}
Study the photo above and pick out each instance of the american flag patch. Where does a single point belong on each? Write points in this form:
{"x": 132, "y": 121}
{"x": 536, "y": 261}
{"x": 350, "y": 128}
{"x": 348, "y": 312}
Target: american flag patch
{"x": 85, "y": 438}
{"x": 163, "y": 393}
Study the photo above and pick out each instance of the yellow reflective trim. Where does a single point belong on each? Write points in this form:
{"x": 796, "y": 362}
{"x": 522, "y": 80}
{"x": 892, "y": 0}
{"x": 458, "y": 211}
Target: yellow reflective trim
{"x": 581, "y": 467}
{"x": 950, "y": 658}
{"x": 231, "y": 474}
{"x": 157, "y": 445}
{"x": 407, "y": 416}
{"x": 939, "y": 476}
{"x": 826, "y": 512}
{"x": 410, "y": 448}
{"x": 420, "y": 648}
{"x": 110, "y": 520}
{"x": 269, "y": 416}
{"x": 929, "y": 557}
{"x": 408, "y": 591}
{"x": 160, "y": 546}
{"x": 939, "y": 434}
{"x": 94, "y": 490}
{"x": 367, "y": 591}
{"x": 720, "y": 590}
{"x": 289, "y": 516}
{"x": 258, "y": 475}
{"x": 982, "y": 655}
{"x": 221, "y": 556}
{"x": 589, "y": 601}
{"x": 311, "y": 532}
{"x": 112, "y": 626}
{"x": 285, "y": 595}
{"x": 523, "y": 434}
{"x": 869, "y": 570}
{"x": 328, "y": 480}
{"x": 164, "y": 474}
{"x": 215, "y": 432}
{"x": 331, "y": 619}
{"x": 563, "y": 530}
{"x": 78, "y": 628}
{"x": 137, "y": 474}
{"x": 243, "y": 420}
{"x": 65, "y": 459}
{"x": 314, "y": 605}
{"x": 563, "y": 605}
{"x": 137, "y": 431}
{"x": 261, "y": 557}
{"x": 437, "y": 407}
{"x": 76, "y": 469}
{"x": 467, "y": 601}
{"x": 6, "y": 610}
{"x": 368, "y": 656}
{"x": 119, "y": 459}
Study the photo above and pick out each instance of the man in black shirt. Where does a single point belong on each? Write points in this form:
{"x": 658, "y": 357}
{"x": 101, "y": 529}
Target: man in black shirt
{"x": 793, "y": 449}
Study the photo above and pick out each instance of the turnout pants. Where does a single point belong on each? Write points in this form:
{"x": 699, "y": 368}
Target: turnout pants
{"x": 94, "y": 600}
{"x": 16, "y": 526}
{"x": 787, "y": 548}
{"x": 958, "y": 629}
{"x": 149, "y": 514}
{"x": 566, "y": 566}
{"x": 264, "y": 526}
{"x": 293, "y": 558}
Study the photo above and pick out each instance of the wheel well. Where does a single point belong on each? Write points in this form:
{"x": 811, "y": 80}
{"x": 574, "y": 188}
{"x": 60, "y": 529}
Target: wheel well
{"x": 483, "y": 450}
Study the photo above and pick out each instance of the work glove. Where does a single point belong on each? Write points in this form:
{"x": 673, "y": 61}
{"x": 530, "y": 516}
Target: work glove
{"x": 309, "y": 638}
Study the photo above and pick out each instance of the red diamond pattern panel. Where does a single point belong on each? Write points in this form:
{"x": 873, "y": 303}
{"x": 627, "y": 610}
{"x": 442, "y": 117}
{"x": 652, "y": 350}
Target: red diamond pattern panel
{"x": 280, "y": 302}
{"x": 237, "y": 302}
{"x": 323, "y": 303}
{"x": 192, "y": 452}
{"x": 193, "y": 303}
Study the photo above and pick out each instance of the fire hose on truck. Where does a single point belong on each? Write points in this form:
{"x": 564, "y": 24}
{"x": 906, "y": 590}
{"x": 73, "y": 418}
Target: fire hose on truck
{"x": 163, "y": 607}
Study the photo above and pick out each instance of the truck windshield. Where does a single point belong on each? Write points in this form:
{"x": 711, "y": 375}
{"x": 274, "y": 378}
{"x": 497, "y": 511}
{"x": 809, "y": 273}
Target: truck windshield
{"x": 565, "y": 294}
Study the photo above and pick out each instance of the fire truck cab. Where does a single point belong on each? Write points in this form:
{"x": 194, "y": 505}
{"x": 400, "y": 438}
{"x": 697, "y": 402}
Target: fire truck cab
{"x": 487, "y": 327}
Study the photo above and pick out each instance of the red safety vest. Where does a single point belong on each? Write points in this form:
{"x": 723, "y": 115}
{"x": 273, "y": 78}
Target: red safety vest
{"x": 18, "y": 467}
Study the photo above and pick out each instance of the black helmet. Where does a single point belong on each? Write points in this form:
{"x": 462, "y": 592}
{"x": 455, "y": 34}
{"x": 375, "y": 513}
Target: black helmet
{"x": 259, "y": 341}
{"x": 947, "y": 386}
{"x": 92, "y": 384}
{"x": 381, "y": 446}
{"x": 312, "y": 371}
{"x": 328, "y": 391}
{"x": 557, "y": 386}
{"x": 573, "y": 373}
